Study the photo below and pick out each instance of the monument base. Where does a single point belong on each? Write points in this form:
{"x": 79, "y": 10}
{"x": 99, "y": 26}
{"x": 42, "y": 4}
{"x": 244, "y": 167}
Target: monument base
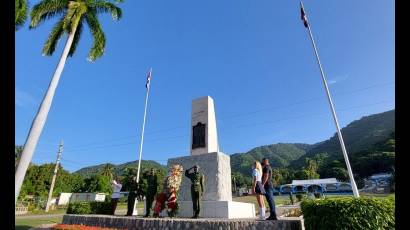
{"x": 218, "y": 209}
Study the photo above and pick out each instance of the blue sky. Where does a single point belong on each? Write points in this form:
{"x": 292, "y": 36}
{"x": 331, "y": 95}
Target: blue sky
{"x": 253, "y": 57}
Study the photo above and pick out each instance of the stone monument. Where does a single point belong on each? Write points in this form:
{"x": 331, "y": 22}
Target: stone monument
{"x": 215, "y": 165}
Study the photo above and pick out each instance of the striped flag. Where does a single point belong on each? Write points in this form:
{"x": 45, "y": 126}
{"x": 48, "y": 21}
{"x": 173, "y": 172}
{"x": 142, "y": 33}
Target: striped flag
{"x": 303, "y": 16}
{"x": 148, "y": 78}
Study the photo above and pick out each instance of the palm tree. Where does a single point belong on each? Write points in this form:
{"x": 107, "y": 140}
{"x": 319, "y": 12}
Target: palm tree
{"x": 73, "y": 15}
{"x": 107, "y": 171}
{"x": 20, "y": 13}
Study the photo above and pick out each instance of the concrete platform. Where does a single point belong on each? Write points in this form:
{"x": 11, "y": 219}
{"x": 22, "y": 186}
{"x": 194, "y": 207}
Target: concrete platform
{"x": 133, "y": 223}
{"x": 219, "y": 209}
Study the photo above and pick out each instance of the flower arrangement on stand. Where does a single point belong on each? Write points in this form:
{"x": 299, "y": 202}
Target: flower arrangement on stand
{"x": 169, "y": 195}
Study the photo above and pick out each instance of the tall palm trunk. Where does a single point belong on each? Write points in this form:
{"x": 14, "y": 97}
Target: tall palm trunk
{"x": 40, "y": 119}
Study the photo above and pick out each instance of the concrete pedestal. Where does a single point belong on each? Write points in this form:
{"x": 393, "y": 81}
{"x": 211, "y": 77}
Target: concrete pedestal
{"x": 218, "y": 209}
{"x": 217, "y": 198}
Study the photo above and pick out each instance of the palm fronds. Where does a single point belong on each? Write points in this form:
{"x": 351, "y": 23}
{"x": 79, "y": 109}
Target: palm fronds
{"x": 21, "y": 8}
{"x": 73, "y": 14}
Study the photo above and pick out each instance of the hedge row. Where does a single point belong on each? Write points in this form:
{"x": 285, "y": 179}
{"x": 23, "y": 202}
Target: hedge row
{"x": 89, "y": 207}
{"x": 349, "y": 213}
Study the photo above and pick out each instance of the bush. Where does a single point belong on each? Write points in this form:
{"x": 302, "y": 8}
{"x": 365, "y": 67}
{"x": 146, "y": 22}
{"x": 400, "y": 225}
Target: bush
{"x": 349, "y": 213}
{"x": 79, "y": 208}
{"x": 89, "y": 207}
{"x": 101, "y": 207}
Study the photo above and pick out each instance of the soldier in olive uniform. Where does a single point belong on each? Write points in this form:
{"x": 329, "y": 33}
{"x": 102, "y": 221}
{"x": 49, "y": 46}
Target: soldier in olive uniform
{"x": 197, "y": 188}
{"x": 151, "y": 190}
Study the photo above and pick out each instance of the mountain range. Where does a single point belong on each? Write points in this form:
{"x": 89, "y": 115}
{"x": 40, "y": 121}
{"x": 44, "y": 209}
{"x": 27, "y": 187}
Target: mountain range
{"x": 358, "y": 136}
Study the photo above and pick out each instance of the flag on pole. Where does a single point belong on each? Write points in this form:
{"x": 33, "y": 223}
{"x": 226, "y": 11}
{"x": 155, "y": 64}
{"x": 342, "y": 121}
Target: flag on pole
{"x": 148, "y": 78}
{"x": 303, "y": 16}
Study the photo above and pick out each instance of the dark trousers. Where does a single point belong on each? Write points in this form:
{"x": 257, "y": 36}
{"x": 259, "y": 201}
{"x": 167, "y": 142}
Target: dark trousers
{"x": 150, "y": 199}
{"x": 114, "y": 202}
{"x": 130, "y": 203}
{"x": 196, "y": 198}
{"x": 271, "y": 201}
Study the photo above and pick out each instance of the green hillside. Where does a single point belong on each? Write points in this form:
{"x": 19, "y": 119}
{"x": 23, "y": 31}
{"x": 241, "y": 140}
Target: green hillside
{"x": 280, "y": 155}
{"x": 358, "y": 136}
{"x": 120, "y": 169}
{"x": 370, "y": 143}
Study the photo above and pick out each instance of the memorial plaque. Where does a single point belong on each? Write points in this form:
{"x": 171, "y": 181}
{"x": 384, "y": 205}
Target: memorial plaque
{"x": 198, "y": 136}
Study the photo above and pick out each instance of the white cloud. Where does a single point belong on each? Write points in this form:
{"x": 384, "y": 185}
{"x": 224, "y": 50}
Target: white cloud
{"x": 23, "y": 98}
{"x": 338, "y": 79}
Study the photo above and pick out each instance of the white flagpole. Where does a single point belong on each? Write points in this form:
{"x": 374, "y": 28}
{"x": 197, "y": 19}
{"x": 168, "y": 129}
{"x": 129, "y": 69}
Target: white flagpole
{"x": 143, "y": 127}
{"x": 349, "y": 169}
{"x": 135, "y": 212}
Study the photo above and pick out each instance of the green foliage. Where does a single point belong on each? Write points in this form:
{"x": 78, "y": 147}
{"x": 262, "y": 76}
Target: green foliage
{"x": 359, "y": 135}
{"x": 349, "y": 213}
{"x": 97, "y": 183}
{"x": 21, "y": 11}
{"x": 73, "y": 14}
{"x": 38, "y": 178}
{"x": 380, "y": 157}
{"x": 120, "y": 170}
{"x": 311, "y": 169}
{"x": 18, "y": 149}
{"x": 93, "y": 207}
{"x": 101, "y": 207}
{"x": 79, "y": 208}
{"x": 107, "y": 171}
{"x": 279, "y": 155}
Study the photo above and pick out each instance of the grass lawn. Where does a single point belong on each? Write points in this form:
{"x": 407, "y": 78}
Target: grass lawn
{"x": 24, "y": 224}
{"x": 43, "y": 212}
{"x": 124, "y": 205}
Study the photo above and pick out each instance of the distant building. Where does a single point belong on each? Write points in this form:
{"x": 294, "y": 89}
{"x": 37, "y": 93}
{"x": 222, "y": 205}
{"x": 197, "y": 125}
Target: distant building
{"x": 326, "y": 185}
{"x": 377, "y": 183}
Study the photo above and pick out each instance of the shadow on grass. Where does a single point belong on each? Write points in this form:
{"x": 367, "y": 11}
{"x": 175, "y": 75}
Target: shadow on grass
{"x": 23, "y": 227}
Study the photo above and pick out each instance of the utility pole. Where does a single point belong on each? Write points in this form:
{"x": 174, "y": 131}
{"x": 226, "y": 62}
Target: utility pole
{"x": 60, "y": 151}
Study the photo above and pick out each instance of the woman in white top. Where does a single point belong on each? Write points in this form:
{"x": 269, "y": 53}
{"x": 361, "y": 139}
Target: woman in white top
{"x": 257, "y": 187}
{"x": 116, "y": 188}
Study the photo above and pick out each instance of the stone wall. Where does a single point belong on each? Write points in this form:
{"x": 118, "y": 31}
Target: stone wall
{"x": 133, "y": 223}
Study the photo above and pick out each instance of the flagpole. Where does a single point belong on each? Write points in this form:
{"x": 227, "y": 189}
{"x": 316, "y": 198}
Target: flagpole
{"x": 143, "y": 128}
{"x": 349, "y": 169}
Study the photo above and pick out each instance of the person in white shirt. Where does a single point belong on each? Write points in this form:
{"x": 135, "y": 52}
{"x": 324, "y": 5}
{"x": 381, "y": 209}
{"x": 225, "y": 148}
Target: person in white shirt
{"x": 258, "y": 188}
{"x": 116, "y": 188}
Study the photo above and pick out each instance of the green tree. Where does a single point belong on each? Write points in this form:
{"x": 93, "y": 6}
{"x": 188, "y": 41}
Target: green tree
{"x": 277, "y": 177}
{"x": 18, "y": 149}
{"x": 97, "y": 183}
{"x": 38, "y": 181}
{"x": 129, "y": 179}
{"x": 74, "y": 14}
{"x": 108, "y": 171}
{"x": 311, "y": 169}
{"x": 20, "y": 13}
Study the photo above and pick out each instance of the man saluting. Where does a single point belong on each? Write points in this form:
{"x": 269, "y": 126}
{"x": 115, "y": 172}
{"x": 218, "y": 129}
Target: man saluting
{"x": 197, "y": 188}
